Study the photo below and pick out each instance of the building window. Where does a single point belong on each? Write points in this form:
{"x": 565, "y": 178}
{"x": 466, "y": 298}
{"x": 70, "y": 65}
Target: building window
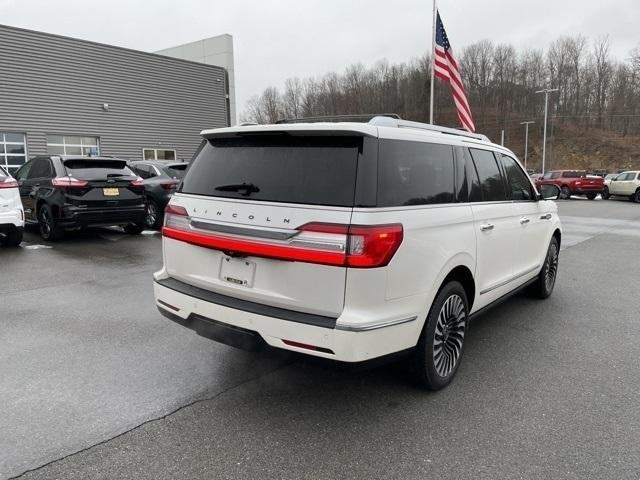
{"x": 13, "y": 150}
{"x": 72, "y": 145}
{"x": 158, "y": 154}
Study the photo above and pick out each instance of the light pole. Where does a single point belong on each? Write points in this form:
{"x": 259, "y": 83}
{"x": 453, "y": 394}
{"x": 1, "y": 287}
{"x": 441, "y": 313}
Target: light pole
{"x": 526, "y": 140}
{"x": 546, "y": 92}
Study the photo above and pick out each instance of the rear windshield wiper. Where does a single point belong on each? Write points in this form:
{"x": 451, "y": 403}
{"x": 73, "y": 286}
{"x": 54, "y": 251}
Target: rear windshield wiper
{"x": 246, "y": 189}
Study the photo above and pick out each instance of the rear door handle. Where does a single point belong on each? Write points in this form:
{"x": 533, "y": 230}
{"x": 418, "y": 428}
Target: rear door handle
{"x": 487, "y": 226}
{"x": 545, "y": 217}
{"x": 524, "y": 221}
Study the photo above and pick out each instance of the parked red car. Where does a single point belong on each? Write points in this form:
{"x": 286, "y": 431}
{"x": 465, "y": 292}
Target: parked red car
{"x": 573, "y": 182}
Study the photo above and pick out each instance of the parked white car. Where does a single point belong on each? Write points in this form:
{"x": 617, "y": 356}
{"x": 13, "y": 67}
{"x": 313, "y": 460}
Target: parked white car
{"x": 11, "y": 211}
{"x": 626, "y": 184}
{"x": 353, "y": 241}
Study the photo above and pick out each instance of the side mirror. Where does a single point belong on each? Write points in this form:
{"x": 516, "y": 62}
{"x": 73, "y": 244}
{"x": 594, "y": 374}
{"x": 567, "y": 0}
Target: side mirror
{"x": 549, "y": 192}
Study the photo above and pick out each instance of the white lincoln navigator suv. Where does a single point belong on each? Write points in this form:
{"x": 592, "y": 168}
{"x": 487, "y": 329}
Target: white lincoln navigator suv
{"x": 353, "y": 241}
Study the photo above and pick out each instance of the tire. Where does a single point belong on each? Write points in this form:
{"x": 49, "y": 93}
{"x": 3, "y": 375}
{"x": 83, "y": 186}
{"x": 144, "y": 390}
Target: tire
{"x": 13, "y": 238}
{"x": 636, "y": 196}
{"x": 49, "y": 229}
{"x": 543, "y": 286}
{"x": 565, "y": 193}
{"x": 437, "y": 356}
{"x": 133, "y": 229}
{"x": 591, "y": 196}
{"x": 605, "y": 194}
{"x": 153, "y": 216}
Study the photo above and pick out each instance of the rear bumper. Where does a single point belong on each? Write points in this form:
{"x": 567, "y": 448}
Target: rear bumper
{"x": 74, "y": 217}
{"x": 11, "y": 219}
{"x": 252, "y": 326}
{"x": 586, "y": 190}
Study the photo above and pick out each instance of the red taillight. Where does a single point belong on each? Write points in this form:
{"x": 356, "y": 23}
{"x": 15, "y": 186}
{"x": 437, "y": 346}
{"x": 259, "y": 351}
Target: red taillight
{"x": 138, "y": 182}
{"x": 8, "y": 183}
{"x": 169, "y": 185}
{"x": 357, "y": 246}
{"x": 68, "y": 182}
{"x": 373, "y": 246}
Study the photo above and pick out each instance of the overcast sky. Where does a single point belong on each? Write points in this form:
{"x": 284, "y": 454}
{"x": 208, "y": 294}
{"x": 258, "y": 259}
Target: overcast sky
{"x": 276, "y": 39}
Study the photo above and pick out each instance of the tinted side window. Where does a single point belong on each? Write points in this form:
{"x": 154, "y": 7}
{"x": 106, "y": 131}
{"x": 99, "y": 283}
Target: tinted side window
{"x": 143, "y": 170}
{"x": 475, "y": 191}
{"x": 41, "y": 169}
{"x": 23, "y": 171}
{"x": 517, "y": 181}
{"x": 414, "y": 173}
{"x": 491, "y": 182}
{"x": 555, "y": 174}
{"x": 462, "y": 180}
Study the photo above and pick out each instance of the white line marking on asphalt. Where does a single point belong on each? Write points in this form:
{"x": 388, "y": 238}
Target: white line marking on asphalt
{"x": 34, "y": 247}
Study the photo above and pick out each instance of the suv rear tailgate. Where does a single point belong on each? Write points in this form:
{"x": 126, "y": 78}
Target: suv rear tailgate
{"x": 262, "y": 190}
{"x": 300, "y": 286}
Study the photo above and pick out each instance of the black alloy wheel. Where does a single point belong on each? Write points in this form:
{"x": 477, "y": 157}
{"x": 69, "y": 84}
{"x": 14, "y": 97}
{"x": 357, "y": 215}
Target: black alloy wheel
{"x": 544, "y": 284}
{"x": 152, "y": 215}
{"x": 439, "y": 350}
{"x": 49, "y": 230}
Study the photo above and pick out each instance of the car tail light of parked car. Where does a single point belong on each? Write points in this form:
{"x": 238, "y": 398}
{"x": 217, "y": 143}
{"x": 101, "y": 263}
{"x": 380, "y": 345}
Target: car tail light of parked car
{"x": 171, "y": 185}
{"x": 138, "y": 182}
{"x": 355, "y": 246}
{"x": 68, "y": 182}
{"x": 8, "y": 183}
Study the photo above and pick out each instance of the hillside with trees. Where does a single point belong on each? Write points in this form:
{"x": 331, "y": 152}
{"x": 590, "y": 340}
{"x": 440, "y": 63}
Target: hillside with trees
{"x": 594, "y": 119}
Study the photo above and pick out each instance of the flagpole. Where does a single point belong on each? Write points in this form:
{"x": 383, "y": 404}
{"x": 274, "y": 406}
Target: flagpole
{"x": 433, "y": 59}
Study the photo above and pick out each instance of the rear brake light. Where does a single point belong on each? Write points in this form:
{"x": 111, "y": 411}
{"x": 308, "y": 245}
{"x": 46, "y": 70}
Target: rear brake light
{"x": 68, "y": 182}
{"x": 169, "y": 185}
{"x": 357, "y": 246}
{"x": 8, "y": 183}
{"x": 138, "y": 182}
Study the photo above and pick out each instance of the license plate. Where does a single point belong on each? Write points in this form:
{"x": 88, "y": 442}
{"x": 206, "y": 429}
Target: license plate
{"x": 111, "y": 192}
{"x": 237, "y": 271}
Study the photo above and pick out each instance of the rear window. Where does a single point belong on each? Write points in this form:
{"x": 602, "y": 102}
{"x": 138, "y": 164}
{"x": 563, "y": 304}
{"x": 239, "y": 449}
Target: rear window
{"x": 289, "y": 169}
{"x": 176, "y": 171}
{"x": 96, "y": 169}
{"x": 414, "y": 173}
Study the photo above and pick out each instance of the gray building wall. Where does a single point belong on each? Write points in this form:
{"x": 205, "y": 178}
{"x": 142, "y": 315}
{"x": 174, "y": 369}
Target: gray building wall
{"x": 216, "y": 50}
{"x": 57, "y": 85}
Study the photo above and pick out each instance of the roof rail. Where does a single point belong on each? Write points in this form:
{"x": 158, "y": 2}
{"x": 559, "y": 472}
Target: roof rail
{"x": 364, "y": 118}
{"x": 384, "y": 121}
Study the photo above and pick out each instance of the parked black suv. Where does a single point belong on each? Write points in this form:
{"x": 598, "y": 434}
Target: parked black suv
{"x": 71, "y": 192}
{"x": 160, "y": 178}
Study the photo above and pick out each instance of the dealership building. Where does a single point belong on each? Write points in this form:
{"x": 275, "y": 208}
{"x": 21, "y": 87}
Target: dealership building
{"x": 61, "y": 95}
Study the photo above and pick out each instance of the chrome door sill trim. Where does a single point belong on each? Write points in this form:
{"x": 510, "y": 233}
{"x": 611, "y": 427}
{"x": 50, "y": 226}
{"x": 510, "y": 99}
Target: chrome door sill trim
{"x": 509, "y": 280}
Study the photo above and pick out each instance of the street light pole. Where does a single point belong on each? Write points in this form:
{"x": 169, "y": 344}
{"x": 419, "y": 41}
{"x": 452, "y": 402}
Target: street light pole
{"x": 526, "y": 140}
{"x": 546, "y": 92}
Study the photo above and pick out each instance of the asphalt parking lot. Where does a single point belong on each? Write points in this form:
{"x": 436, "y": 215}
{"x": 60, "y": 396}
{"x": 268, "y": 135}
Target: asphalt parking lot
{"x": 94, "y": 383}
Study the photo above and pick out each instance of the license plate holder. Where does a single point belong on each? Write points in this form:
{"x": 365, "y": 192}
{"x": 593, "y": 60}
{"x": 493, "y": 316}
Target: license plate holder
{"x": 111, "y": 191}
{"x": 237, "y": 271}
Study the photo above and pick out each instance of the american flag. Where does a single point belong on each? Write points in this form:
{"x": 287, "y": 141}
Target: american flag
{"x": 447, "y": 69}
